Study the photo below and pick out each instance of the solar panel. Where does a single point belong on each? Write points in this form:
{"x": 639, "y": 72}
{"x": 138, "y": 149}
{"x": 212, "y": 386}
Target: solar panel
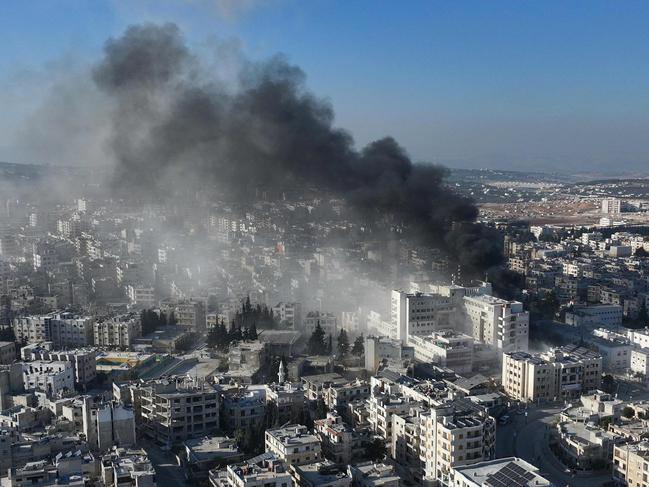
{"x": 511, "y": 475}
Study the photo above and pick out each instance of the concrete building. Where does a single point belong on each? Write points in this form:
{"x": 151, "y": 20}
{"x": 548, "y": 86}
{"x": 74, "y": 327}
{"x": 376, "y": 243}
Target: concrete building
{"x": 336, "y": 438}
{"x": 452, "y": 436}
{"x": 84, "y": 361}
{"x": 118, "y": 331}
{"x": 446, "y": 348}
{"x": 320, "y": 474}
{"x": 64, "y": 330}
{"x": 203, "y": 454}
{"x": 173, "y": 411}
{"x": 502, "y": 324}
{"x": 289, "y": 313}
{"x": 53, "y": 378}
{"x": 371, "y": 474}
{"x": 287, "y": 397}
{"x": 242, "y": 409}
{"x": 509, "y": 471}
{"x": 382, "y": 349}
{"x": 420, "y": 314}
{"x": 604, "y": 315}
{"x": 108, "y": 425}
{"x": 559, "y": 373}
{"x": 293, "y": 444}
{"x": 7, "y": 352}
{"x": 338, "y": 396}
{"x": 265, "y": 470}
{"x": 640, "y": 361}
{"x": 127, "y": 467}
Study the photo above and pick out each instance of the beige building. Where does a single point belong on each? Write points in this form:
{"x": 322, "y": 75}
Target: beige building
{"x": 293, "y": 444}
{"x": 631, "y": 464}
{"x": 118, "y": 331}
{"x": 451, "y": 436}
{"x": 559, "y": 373}
{"x": 502, "y": 471}
{"x": 173, "y": 411}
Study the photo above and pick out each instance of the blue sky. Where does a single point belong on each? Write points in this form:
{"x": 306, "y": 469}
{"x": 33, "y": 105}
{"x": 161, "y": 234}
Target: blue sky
{"x": 510, "y": 84}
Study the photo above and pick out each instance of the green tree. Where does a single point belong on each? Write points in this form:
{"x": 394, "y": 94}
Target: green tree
{"x": 359, "y": 346}
{"x": 343, "y": 343}
{"x": 628, "y": 412}
{"x": 317, "y": 340}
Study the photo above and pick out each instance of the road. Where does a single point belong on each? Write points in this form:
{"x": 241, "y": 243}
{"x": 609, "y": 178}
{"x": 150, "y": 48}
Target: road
{"x": 527, "y": 437}
{"x": 168, "y": 472}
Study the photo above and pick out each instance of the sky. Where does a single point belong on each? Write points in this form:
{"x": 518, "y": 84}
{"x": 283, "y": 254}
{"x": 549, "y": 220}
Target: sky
{"x": 522, "y": 85}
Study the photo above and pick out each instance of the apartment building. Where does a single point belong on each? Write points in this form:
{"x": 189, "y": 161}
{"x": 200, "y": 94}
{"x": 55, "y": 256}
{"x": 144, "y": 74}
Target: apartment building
{"x": 173, "y": 411}
{"x": 338, "y": 396}
{"x": 53, "y": 378}
{"x": 559, "y": 373}
{"x": 502, "y": 324}
{"x": 631, "y": 464}
{"x": 65, "y": 330}
{"x": 446, "y": 348}
{"x": 83, "y": 361}
{"x": 336, "y": 438}
{"x": 293, "y": 444}
{"x": 420, "y": 314}
{"x": 452, "y": 435}
{"x": 118, "y": 331}
{"x": 382, "y": 406}
{"x": 265, "y": 470}
{"x": 289, "y": 313}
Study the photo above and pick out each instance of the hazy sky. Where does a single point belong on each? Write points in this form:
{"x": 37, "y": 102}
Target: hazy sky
{"x": 506, "y": 84}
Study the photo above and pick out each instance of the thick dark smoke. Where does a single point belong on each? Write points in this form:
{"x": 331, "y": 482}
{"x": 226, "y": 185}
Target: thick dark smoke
{"x": 176, "y": 125}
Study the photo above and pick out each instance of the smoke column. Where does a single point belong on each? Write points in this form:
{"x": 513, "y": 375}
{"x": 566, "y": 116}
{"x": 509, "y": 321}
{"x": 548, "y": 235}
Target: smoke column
{"x": 175, "y": 122}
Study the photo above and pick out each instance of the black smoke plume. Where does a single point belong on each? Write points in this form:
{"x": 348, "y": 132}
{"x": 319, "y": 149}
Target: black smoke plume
{"x": 176, "y": 124}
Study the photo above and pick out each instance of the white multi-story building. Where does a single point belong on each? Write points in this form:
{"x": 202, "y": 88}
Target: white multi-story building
{"x": 293, "y": 444}
{"x": 451, "y": 436}
{"x": 640, "y": 361}
{"x": 141, "y": 296}
{"x": 606, "y": 315}
{"x": 611, "y": 206}
{"x": 118, "y": 331}
{"x": 65, "y": 330}
{"x": 53, "y": 378}
{"x": 559, "y": 373}
{"x": 502, "y": 324}
{"x": 446, "y": 348}
{"x": 639, "y": 338}
{"x": 83, "y": 361}
{"x": 420, "y": 314}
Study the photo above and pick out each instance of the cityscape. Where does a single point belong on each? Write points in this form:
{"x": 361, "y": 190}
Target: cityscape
{"x": 205, "y": 281}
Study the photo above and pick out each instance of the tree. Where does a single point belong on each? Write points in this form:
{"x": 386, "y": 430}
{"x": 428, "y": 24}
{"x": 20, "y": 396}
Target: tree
{"x": 359, "y": 346}
{"x": 330, "y": 347}
{"x": 343, "y": 343}
{"x": 628, "y": 412}
{"x": 317, "y": 340}
{"x": 252, "y": 332}
{"x": 376, "y": 450}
